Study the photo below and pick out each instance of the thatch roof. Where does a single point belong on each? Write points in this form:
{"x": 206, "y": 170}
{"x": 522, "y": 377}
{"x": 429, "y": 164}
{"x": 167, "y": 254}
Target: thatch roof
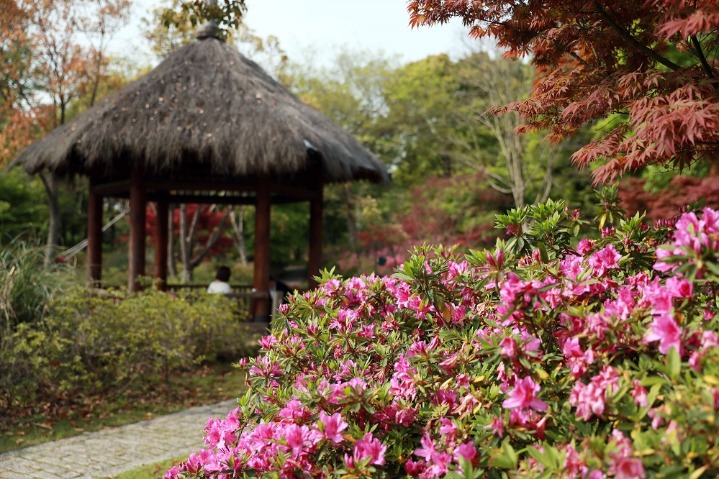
{"x": 207, "y": 102}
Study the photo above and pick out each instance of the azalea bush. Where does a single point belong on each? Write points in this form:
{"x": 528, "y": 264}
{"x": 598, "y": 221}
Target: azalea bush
{"x": 548, "y": 356}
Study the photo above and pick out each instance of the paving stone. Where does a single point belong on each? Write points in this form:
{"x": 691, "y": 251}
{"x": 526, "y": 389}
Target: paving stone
{"x": 112, "y": 451}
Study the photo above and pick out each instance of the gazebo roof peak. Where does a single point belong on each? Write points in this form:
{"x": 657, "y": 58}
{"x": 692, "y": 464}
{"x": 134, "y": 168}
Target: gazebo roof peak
{"x": 209, "y": 29}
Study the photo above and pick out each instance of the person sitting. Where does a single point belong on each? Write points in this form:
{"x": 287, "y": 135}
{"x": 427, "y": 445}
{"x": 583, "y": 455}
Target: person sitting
{"x": 221, "y": 284}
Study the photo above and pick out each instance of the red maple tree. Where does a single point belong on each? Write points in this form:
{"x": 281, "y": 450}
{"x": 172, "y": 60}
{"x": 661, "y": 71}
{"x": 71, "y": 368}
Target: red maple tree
{"x": 649, "y": 67}
{"x": 198, "y": 230}
{"x": 682, "y": 192}
{"x": 457, "y": 210}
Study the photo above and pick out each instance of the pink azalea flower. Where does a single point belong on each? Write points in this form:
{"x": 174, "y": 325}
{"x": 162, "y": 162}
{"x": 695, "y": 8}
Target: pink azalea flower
{"x": 584, "y": 246}
{"x": 440, "y": 464}
{"x": 370, "y": 446}
{"x": 427, "y": 449}
{"x": 588, "y": 399}
{"x": 679, "y": 287}
{"x": 523, "y": 396}
{"x": 628, "y": 468}
{"x": 332, "y": 427}
{"x": 447, "y": 428}
{"x": 572, "y": 461}
{"x": 498, "y": 427}
{"x": 639, "y": 393}
{"x": 414, "y": 468}
{"x": 571, "y": 267}
{"x": 657, "y": 419}
{"x": 604, "y": 259}
{"x": 438, "y": 460}
{"x": 295, "y": 437}
{"x": 665, "y": 330}
{"x": 172, "y": 473}
{"x": 268, "y": 341}
{"x": 462, "y": 380}
{"x": 294, "y": 410}
{"x": 467, "y": 451}
{"x": 577, "y": 360}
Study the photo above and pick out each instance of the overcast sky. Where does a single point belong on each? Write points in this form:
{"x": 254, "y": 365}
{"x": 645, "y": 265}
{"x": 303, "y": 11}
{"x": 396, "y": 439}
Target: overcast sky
{"x": 325, "y": 26}
{"x": 318, "y": 29}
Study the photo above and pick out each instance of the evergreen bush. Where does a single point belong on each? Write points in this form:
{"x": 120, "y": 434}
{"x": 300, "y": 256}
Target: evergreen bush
{"x": 103, "y": 342}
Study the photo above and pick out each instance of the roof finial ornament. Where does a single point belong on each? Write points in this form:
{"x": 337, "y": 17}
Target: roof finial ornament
{"x": 209, "y": 29}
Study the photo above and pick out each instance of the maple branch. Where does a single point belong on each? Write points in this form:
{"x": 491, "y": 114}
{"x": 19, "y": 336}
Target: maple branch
{"x": 702, "y": 58}
{"x": 628, "y": 37}
{"x": 580, "y": 60}
{"x": 211, "y": 240}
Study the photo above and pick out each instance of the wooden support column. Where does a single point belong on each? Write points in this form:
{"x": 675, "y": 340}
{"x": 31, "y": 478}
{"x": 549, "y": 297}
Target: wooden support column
{"x": 137, "y": 228}
{"x": 94, "y": 236}
{"x": 315, "y": 254}
{"x": 261, "y": 290}
{"x": 161, "y": 241}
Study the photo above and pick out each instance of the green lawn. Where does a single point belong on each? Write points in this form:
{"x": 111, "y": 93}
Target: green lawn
{"x": 45, "y": 423}
{"x": 150, "y": 471}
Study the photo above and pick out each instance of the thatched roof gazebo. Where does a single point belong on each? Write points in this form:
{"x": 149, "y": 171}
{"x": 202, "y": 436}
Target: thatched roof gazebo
{"x": 207, "y": 125}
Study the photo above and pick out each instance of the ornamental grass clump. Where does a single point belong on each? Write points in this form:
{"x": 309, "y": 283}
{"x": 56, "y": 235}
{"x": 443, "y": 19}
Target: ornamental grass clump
{"x": 546, "y": 357}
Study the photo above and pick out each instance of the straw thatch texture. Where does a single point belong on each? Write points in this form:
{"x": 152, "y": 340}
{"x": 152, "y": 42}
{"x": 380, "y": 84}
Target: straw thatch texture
{"x": 208, "y": 103}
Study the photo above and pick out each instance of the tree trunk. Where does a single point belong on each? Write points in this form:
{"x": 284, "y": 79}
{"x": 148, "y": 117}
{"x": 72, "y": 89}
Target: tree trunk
{"x": 171, "y": 265}
{"x": 446, "y": 165}
{"x": 50, "y": 182}
{"x": 238, "y": 227}
{"x": 185, "y": 247}
{"x": 349, "y": 201}
{"x": 713, "y": 161}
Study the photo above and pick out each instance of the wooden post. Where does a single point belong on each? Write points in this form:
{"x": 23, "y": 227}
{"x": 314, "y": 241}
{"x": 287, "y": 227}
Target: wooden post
{"x": 315, "y": 254}
{"x": 161, "y": 242}
{"x": 94, "y": 236}
{"x": 261, "y": 290}
{"x": 137, "y": 228}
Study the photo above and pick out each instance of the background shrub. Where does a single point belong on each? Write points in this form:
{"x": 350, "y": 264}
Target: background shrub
{"x": 104, "y": 342}
{"x": 26, "y": 287}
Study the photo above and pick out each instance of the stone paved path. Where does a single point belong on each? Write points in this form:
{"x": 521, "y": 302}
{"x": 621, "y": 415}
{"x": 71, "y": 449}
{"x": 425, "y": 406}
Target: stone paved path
{"x": 112, "y": 451}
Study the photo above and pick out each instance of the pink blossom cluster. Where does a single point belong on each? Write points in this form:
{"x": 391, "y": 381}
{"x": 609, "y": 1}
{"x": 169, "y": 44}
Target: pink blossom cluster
{"x": 583, "y": 366}
{"x": 693, "y": 236}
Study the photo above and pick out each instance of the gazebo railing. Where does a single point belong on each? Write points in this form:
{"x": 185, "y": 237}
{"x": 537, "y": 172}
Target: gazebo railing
{"x": 242, "y": 293}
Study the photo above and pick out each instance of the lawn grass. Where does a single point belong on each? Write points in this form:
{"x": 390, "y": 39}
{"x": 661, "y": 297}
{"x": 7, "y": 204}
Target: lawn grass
{"x": 150, "y": 471}
{"x": 206, "y": 385}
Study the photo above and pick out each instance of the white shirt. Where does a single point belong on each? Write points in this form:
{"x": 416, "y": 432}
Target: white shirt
{"x": 219, "y": 287}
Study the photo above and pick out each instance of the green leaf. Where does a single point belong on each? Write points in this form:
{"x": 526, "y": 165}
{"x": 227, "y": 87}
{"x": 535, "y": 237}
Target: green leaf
{"x": 504, "y": 458}
{"x": 674, "y": 363}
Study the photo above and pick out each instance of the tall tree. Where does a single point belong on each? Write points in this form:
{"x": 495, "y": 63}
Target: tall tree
{"x": 62, "y": 46}
{"x": 652, "y": 64}
{"x": 486, "y": 82}
{"x": 421, "y": 99}
{"x": 20, "y": 117}
{"x": 352, "y": 94}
